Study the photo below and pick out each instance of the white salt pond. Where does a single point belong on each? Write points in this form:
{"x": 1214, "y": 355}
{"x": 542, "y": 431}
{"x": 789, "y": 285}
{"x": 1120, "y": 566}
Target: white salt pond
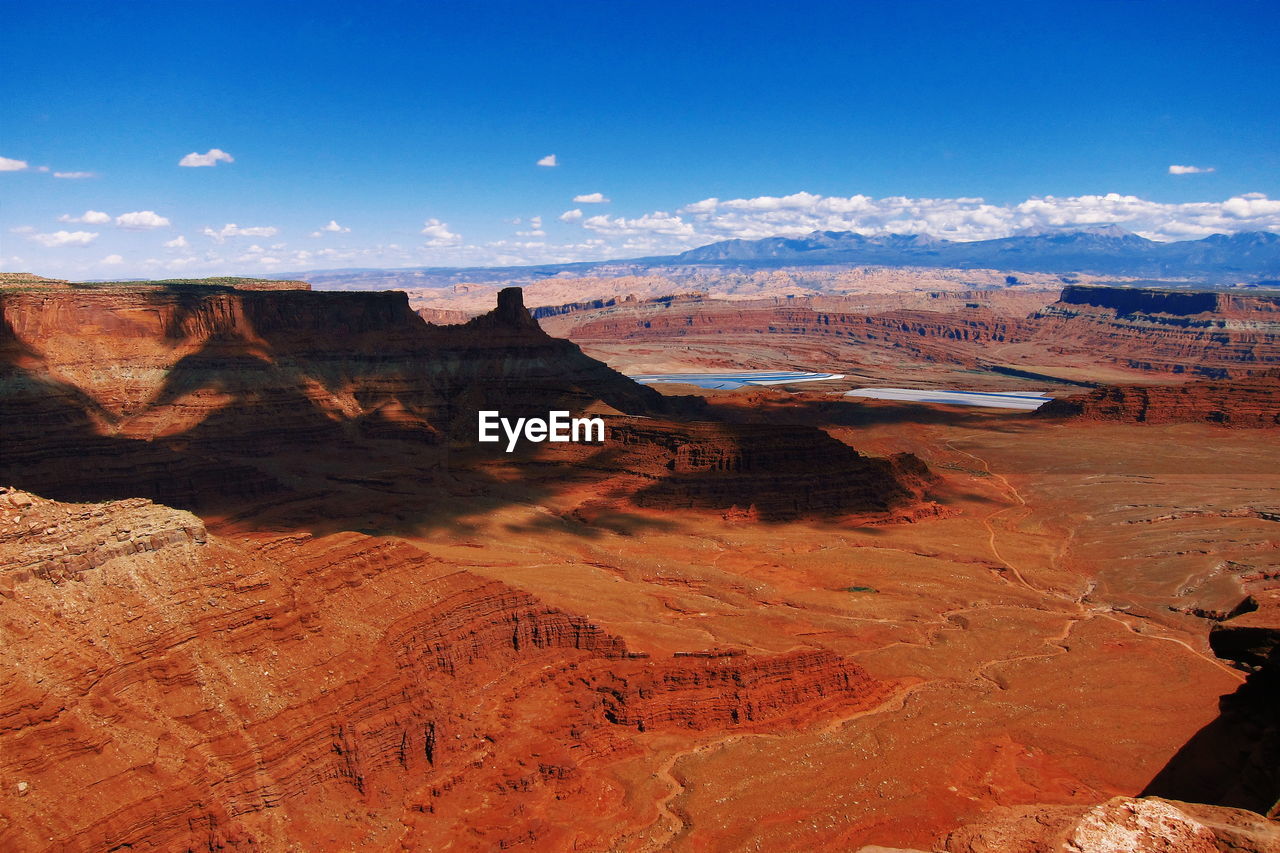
{"x": 737, "y": 379}
{"x": 1024, "y": 400}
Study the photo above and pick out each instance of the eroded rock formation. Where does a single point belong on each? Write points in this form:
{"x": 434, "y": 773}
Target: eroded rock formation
{"x": 1250, "y": 402}
{"x": 1208, "y": 334}
{"x": 182, "y": 393}
{"x": 1120, "y": 825}
{"x": 163, "y": 688}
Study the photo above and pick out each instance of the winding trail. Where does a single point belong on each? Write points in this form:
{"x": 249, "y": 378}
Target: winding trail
{"x": 664, "y": 831}
{"x": 675, "y": 824}
{"x": 1084, "y": 613}
{"x": 1011, "y": 491}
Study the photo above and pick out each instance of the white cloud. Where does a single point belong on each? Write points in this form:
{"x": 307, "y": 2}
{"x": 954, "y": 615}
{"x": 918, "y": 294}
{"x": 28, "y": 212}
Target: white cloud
{"x": 8, "y": 165}
{"x": 1255, "y": 206}
{"x": 590, "y": 198}
{"x": 58, "y": 239}
{"x": 549, "y": 160}
{"x": 438, "y": 234}
{"x": 233, "y": 230}
{"x": 112, "y": 260}
{"x": 89, "y": 217}
{"x": 22, "y": 229}
{"x": 210, "y": 158}
{"x": 74, "y": 175}
{"x": 1189, "y": 170}
{"x": 659, "y": 222}
{"x": 179, "y": 242}
{"x": 960, "y": 219}
{"x": 332, "y": 228}
{"x": 141, "y": 220}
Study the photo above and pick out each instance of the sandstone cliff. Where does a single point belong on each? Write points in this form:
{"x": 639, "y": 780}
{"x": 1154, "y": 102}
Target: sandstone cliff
{"x": 163, "y": 688}
{"x": 1250, "y": 402}
{"x": 1208, "y": 334}
{"x": 204, "y": 397}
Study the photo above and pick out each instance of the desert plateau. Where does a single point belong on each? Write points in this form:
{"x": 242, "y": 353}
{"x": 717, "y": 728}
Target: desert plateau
{"x": 640, "y": 428}
{"x": 260, "y": 583}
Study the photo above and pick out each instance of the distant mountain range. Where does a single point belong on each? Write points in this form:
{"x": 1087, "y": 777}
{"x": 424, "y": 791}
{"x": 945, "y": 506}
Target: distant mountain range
{"x": 1249, "y": 256}
{"x": 1107, "y": 250}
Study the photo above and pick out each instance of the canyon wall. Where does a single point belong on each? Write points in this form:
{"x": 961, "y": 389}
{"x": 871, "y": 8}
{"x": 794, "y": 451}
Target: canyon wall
{"x": 165, "y": 688}
{"x": 1209, "y": 334}
{"x": 1252, "y": 402}
{"x": 208, "y": 397}
{"x": 1204, "y": 334}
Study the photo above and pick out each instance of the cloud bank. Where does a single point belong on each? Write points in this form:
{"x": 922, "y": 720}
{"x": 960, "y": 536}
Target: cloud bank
{"x": 960, "y": 219}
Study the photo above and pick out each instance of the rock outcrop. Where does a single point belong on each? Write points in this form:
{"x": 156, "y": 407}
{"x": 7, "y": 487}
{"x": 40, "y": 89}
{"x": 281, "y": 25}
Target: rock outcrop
{"x": 953, "y": 337}
{"x": 1235, "y": 760}
{"x": 1221, "y": 792}
{"x": 1208, "y": 334}
{"x": 762, "y": 470}
{"x": 702, "y": 693}
{"x": 1120, "y": 825}
{"x": 181, "y": 393}
{"x": 171, "y": 689}
{"x": 1250, "y": 402}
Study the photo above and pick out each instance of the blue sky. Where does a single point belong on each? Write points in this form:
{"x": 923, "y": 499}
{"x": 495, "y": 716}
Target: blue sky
{"x": 419, "y": 127}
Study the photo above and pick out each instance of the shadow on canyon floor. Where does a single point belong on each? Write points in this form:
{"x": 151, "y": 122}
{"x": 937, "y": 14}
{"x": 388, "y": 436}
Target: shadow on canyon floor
{"x": 266, "y": 425}
{"x": 1234, "y": 760}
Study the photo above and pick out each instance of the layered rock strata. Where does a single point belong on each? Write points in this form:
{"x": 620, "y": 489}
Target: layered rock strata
{"x": 1252, "y": 402}
{"x": 192, "y": 394}
{"x": 1207, "y": 334}
{"x": 171, "y": 689}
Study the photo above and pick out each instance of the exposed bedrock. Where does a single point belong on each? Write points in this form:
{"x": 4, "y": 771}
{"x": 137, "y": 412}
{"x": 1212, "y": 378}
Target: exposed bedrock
{"x": 169, "y": 689}
{"x": 924, "y": 335}
{"x": 207, "y": 397}
{"x": 1252, "y": 402}
{"x": 1205, "y": 334}
{"x": 715, "y": 692}
{"x": 1120, "y": 825}
{"x": 763, "y": 469}
{"x": 1209, "y": 334}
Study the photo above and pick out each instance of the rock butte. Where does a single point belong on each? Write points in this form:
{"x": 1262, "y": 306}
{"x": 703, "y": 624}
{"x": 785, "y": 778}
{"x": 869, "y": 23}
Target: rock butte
{"x": 723, "y": 629}
{"x": 1250, "y": 402}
